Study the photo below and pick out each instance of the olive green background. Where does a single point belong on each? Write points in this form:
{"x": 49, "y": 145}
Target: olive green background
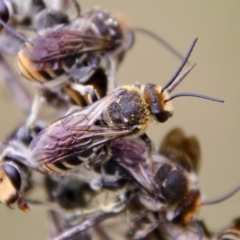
{"x": 217, "y": 126}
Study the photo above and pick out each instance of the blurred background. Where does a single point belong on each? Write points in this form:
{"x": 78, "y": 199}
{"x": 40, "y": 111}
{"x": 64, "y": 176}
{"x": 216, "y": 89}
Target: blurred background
{"x": 217, "y": 25}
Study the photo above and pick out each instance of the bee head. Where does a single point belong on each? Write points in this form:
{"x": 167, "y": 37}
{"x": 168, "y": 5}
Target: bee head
{"x": 10, "y": 183}
{"x": 155, "y": 99}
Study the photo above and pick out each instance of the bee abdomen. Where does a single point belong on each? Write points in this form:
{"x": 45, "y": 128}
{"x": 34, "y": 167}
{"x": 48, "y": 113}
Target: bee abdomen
{"x": 41, "y": 71}
{"x": 230, "y": 234}
{"x": 64, "y": 165}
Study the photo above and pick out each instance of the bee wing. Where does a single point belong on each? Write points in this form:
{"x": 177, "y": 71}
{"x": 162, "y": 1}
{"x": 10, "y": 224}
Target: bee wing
{"x": 61, "y": 44}
{"x": 178, "y": 143}
{"x": 133, "y": 157}
{"x": 75, "y": 133}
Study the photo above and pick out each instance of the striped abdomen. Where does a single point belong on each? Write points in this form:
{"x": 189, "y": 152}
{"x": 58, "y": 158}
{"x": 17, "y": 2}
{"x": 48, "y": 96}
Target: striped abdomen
{"x": 229, "y": 234}
{"x": 41, "y": 71}
{"x": 93, "y": 157}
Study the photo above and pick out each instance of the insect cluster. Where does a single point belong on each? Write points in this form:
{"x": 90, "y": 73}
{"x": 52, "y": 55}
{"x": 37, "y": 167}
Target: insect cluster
{"x": 103, "y": 177}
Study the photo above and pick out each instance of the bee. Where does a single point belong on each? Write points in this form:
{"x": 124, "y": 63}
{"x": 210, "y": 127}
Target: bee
{"x": 131, "y": 155}
{"x": 167, "y": 185}
{"x": 232, "y": 232}
{"x": 15, "y": 170}
{"x": 78, "y": 46}
{"x": 84, "y": 135}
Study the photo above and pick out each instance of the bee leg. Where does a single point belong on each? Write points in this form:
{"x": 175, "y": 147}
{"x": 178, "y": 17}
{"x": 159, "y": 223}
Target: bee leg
{"x": 149, "y": 144}
{"x": 111, "y": 73}
{"x": 58, "y": 82}
{"x": 87, "y": 91}
{"x": 84, "y": 69}
{"x": 77, "y": 7}
{"x": 86, "y": 224}
{"x": 143, "y": 225}
{"x": 46, "y": 19}
{"x": 36, "y": 105}
{"x": 22, "y": 204}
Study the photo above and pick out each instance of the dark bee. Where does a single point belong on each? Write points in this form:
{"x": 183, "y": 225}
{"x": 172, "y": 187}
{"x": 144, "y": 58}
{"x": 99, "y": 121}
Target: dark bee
{"x": 232, "y": 232}
{"x": 168, "y": 184}
{"x": 96, "y": 35}
{"x": 86, "y": 133}
{"x": 78, "y": 46}
{"x": 15, "y": 170}
{"x": 140, "y": 200}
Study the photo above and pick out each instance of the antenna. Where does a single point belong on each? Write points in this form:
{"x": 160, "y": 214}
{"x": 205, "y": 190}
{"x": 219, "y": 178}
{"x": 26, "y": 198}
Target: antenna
{"x": 160, "y": 40}
{"x": 223, "y": 198}
{"x": 14, "y": 33}
{"x": 194, "y": 95}
{"x": 174, "y": 77}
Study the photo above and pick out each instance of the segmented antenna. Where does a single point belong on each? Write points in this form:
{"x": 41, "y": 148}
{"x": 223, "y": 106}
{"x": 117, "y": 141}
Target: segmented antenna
{"x": 180, "y": 78}
{"x": 223, "y": 198}
{"x": 14, "y": 33}
{"x": 160, "y": 40}
{"x": 177, "y": 78}
{"x": 174, "y": 77}
{"x": 194, "y": 95}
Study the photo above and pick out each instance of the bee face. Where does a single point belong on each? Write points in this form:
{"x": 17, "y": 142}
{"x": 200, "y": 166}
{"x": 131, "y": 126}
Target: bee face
{"x": 79, "y": 45}
{"x": 10, "y": 182}
{"x": 155, "y": 98}
{"x": 15, "y": 170}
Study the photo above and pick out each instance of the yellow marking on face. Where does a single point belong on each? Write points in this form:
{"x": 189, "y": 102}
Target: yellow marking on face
{"x": 7, "y": 190}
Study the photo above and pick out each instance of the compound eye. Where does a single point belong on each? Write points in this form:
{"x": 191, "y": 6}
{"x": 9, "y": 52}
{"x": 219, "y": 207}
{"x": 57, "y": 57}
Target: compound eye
{"x": 162, "y": 116}
{"x": 4, "y": 13}
{"x": 13, "y": 175}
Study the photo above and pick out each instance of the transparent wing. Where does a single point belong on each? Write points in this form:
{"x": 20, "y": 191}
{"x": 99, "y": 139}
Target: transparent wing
{"x": 63, "y": 43}
{"x": 75, "y": 133}
{"x": 132, "y": 155}
{"x": 187, "y": 148}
